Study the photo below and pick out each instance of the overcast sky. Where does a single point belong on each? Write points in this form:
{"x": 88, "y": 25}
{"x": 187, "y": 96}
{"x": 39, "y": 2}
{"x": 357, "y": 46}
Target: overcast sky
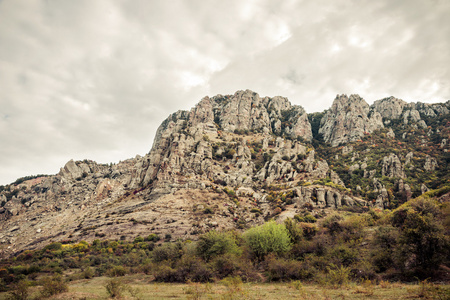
{"x": 94, "y": 79}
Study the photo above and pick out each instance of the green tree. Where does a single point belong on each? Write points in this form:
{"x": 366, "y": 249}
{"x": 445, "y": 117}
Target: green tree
{"x": 268, "y": 238}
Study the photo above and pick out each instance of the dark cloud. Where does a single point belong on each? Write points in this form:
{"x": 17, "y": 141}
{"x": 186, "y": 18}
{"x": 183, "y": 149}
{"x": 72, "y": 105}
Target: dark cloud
{"x": 94, "y": 79}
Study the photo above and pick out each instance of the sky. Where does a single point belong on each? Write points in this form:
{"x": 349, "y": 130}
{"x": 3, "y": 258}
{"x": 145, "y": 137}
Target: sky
{"x": 94, "y": 79}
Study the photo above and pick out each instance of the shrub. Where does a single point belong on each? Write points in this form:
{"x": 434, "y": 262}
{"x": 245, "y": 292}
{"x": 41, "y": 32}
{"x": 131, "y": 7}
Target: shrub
{"x": 309, "y": 230}
{"x": 235, "y": 287}
{"x": 196, "y": 291}
{"x": 19, "y": 291}
{"x": 317, "y": 246}
{"x": 193, "y": 269}
{"x": 332, "y": 223}
{"x": 268, "y": 238}
{"x": 138, "y": 239}
{"x": 115, "y": 287}
{"x": 306, "y": 218}
{"x": 353, "y": 227}
{"x": 343, "y": 255}
{"x": 208, "y": 211}
{"x": 81, "y": 246}
{"x": 428, "y": 290}
{"x": 53, "y": 247}
{"x": 117, "y": 271}
{"x": 422, "y": 236}
{"x": 167, "y": 251}
{"x": 215, "y": 243}
{"x": 164, "y": 273}
{"x": 337, "y": 276}
{"x": 53, "y": 285}
{"x": 225, "y": 265}
{"x": 295, "y": 231}
{"x": 87, "y": 273}
{"x": 153, "y": 238}
{"x": 280, "y": 269}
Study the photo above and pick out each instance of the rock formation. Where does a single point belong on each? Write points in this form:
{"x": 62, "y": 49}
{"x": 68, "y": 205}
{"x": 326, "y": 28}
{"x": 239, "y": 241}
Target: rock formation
{"x": 348, "y": 119}
{"x": 231, "y": 154}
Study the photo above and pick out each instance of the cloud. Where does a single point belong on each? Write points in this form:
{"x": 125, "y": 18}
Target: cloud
{"x": 375, "y": 49}
{"x": 94, "y": 79}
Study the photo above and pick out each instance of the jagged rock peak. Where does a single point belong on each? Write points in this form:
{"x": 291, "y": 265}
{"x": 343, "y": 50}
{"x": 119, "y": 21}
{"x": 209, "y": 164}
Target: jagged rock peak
{"x": 348, "y": 119}
{"x": 244, "y": 111}
{"x": 390, "y": 108}
{"x": 393, "y": 108}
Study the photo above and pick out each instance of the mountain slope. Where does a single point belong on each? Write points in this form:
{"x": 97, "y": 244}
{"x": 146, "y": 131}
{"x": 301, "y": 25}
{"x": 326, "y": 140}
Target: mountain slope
{"x": 234, "y": 161}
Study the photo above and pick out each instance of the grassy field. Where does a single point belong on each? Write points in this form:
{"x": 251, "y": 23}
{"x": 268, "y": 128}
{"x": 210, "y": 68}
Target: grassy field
{"x": 138, "y": 287}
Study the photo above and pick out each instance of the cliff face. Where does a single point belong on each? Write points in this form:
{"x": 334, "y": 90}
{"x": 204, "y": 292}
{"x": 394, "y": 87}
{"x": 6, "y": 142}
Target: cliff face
{"x": 242, "y": 159}
{"x": 348, "y": 119}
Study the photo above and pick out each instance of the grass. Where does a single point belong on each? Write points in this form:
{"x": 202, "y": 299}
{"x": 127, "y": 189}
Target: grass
{"x": 143, "y": 288}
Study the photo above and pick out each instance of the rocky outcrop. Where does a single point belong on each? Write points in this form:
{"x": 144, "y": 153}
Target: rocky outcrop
{"x": 390, "y": 108}
{"x": 246, "y": 111}
{"x": 392, "y": 167}
{"x": 348, "y": 119}
{"x": 324, "y": 197}
{"x": 390, "y": 134}
{"x": 431, "y": 110}
{"x": 430, "y": 163}
{"x": 404, "y": 189}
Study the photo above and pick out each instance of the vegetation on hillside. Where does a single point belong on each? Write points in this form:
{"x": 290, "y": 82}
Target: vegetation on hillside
{"x": 372, "y": 148}
{"x": 405, "y": 244}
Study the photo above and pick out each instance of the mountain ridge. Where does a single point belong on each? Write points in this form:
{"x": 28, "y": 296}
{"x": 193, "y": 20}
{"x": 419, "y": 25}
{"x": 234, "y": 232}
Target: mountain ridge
{"x": 234, "y": 161}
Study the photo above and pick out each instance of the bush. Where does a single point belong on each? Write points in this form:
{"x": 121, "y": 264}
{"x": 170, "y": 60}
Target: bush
{"x": 215, "y": 243}
{"x": 138, "y": 239}
{"x": 268, "y": 238}
{"x": 164, "y": 273}
{"x": 87, "y": 273}
{"x": 306, "y": 218}
{"x": 332, "y": 223}
{"x": 295, "y": 231}
{"x": 167, "y": 251}
{"x": 337, "y": 276}
{"x": 235, "y": 287}
{"x": 196, "y": 291}
{"x": 208, "y": 211}
{"x": 309, "y": 230}
{"x": 343, "y": 255}
{"x": 53, "y": 285}
{"x": 225, "y": 265}
{"x": 153, "y": 238}
{"x": 117, "y": 271}
{"x": 115, "y": 287}
{"x": 19, "y": 291}
{"x": 53, "y": 247}
{"x": 384, "y": 244}
{"x": 279, "y": 269}
{"x": 192, "y": 269}
{"x": 423, "y": 242}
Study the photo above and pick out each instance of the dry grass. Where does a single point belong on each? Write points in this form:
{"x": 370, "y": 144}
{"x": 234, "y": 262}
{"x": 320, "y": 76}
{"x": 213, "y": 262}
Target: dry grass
{"x": 144, "y": 289}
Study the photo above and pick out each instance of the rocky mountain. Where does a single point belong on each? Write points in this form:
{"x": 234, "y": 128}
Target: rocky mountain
{"x": 234, "y": 161}
{"x": 348, "y": 119}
